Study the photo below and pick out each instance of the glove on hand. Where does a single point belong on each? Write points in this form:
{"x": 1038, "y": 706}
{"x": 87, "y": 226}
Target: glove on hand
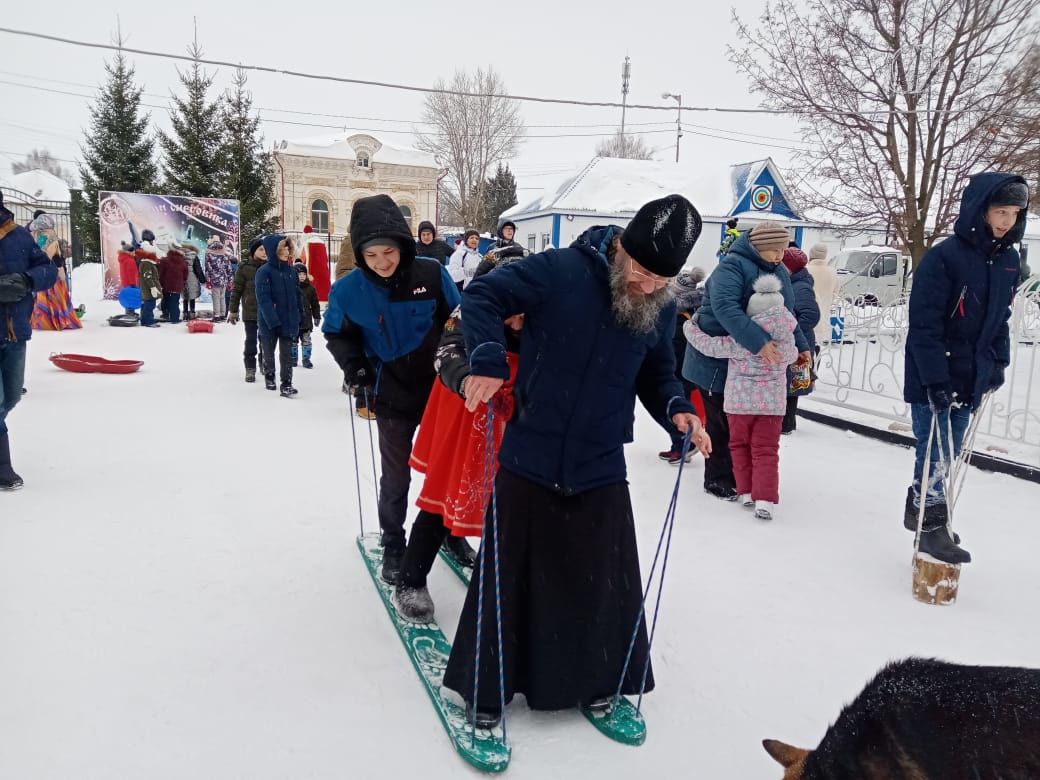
{"x": 940, "y": 398}
{"x": 14, "y": 287}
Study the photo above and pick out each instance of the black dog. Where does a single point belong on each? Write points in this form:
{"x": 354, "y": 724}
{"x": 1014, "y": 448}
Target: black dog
{"x": 922, "y": 719}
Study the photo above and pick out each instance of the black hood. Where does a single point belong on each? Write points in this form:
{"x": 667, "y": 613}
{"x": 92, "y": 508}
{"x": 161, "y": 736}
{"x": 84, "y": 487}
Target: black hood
{"x": 426, "y": 225}
{"x": 971, "y": 222}
{"x": 379, "y": 217}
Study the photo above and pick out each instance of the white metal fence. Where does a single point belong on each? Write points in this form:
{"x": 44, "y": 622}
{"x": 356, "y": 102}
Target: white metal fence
{"x": 861, "y": 372}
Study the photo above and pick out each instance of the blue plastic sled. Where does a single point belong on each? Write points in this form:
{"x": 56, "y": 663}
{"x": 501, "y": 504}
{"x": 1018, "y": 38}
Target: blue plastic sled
{"x": 130, "y": 298}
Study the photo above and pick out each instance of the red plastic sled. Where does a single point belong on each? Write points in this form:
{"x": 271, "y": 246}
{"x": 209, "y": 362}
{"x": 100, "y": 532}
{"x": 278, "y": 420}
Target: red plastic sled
{"x": 200, "y": 326}
{"x": 92, "y": 364}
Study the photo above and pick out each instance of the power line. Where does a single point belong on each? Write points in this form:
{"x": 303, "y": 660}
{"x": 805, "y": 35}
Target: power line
{"x": 443, "y": 91}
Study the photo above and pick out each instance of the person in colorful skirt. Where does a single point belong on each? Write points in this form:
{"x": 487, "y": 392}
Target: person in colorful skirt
{"x": 218, "y": 276}
{"x": 53, "y": 309}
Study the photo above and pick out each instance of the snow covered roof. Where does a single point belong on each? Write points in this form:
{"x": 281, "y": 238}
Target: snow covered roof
{"x": 39, "y": 185}
{"x": 342, "y": 147}
{"x": 612, "y": 186}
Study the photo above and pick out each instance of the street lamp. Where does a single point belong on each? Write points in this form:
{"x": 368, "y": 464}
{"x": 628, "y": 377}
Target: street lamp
{"x": 678, "y": 120}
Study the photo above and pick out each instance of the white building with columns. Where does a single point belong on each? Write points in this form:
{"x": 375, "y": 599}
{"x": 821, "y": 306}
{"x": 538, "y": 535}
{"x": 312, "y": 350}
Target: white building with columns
{"x": 318, "y": 179}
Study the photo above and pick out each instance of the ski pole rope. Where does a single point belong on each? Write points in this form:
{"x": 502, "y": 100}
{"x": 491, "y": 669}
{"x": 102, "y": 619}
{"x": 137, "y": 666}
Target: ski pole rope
{"x": 666, "y": 532}
{"x": 357, "y": 465}
{"x": 490, "y": 500}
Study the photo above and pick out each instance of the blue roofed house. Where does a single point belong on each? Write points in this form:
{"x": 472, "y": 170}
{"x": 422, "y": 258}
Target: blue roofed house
{"x": 609, "y": 190}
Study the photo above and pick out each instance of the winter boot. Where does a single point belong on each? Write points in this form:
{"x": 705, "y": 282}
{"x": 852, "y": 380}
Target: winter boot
{"x": 746, "y": 500}
{"x": 934, "y": 515}
{"x": 674, "y": 456}
{"x": 288, "y": 391}
{"x": 392, "y": 557}
{"x": 307, "y": 356}
{"x": 250, "y": 375}
{"x": 295, "y": 355}
{"x": 483, "y": 718}
{"x": 938, "y": 543}
{"x": 764, "y": 510}
{"x": 460, "y": 551}
{"x": 8, "y": 479}
{"x": 721, "y": 489}
{"x": 413, "y": 604}
{"x": 269, "y": 382}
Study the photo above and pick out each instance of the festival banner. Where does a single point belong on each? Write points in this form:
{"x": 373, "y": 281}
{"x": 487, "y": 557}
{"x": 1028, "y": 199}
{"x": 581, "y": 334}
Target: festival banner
{"x": 174, "y": 219}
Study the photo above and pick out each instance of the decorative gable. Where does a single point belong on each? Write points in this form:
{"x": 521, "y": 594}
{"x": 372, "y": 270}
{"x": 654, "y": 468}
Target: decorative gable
{"x": 759, "y": 188}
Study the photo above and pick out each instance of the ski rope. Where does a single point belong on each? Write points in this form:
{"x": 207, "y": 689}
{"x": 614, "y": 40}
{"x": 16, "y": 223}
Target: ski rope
{"x": 665, "y": 538}
{"x": 490, "y": 499}
{"x": 357, "y": 464}
{"x": 371, "y": 445}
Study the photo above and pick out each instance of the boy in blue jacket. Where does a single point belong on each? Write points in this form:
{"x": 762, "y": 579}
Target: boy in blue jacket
{"x": 278, "y": 304}
{"x": 958, "y": 344}
{"x": 382, "y": 325}
{"x": 24, "y": 271}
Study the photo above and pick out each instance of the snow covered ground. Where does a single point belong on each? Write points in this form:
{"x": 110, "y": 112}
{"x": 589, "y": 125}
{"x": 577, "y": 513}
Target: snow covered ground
{"x": 180, "y": 595}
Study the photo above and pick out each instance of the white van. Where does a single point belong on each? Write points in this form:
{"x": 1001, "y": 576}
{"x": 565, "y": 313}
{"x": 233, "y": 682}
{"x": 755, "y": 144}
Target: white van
{"x": 875, "y": 275}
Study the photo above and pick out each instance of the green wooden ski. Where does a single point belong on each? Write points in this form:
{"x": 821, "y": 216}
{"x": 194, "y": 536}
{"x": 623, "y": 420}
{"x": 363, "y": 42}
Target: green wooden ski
{"x": 621, "y": 723}
{"x": 428, "y": 650}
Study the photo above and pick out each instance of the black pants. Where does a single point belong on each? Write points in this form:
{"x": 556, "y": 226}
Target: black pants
{"x": 791, "y": 415}
{"x": 267, "y": 343}
{"x": 395, "y": 446}
{"x": 251, "y": 343}
{"x": 425, "y": 540}
{"x": 570, "y": 592}
{"x": 719, "y": 467}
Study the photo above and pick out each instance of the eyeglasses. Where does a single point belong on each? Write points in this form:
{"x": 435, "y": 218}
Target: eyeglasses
{"x": 657, "y": 281}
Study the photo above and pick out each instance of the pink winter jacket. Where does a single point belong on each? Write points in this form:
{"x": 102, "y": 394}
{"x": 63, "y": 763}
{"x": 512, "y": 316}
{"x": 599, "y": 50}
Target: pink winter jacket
{"x": 752, "y": 385}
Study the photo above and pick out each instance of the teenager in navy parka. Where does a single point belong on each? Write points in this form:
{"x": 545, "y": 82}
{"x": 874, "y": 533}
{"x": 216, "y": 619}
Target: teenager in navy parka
{"x": 958, "y": 344}
{"x": 382, "y": 325}
{"x": 24, "y": 271}
{"x": 278, "y": 310}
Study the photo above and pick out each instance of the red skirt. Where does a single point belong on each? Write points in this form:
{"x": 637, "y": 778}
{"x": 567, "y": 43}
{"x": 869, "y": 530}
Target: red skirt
{"x": 450, "y": 450}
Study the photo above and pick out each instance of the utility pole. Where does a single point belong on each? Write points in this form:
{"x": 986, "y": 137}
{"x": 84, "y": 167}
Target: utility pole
{"x": 678, "y": 121}
{"x": 626, "y": 73}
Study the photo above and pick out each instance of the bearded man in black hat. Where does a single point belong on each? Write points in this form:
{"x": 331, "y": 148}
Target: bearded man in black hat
{"x": 598, "y": 326}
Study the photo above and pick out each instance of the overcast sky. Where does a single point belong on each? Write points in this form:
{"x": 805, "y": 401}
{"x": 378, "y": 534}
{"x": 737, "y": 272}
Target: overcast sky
{"x": 540, "y": 48}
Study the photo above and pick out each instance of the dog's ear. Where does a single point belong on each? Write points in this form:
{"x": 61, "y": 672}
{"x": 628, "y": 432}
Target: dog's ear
{"x": 785, "y": 755}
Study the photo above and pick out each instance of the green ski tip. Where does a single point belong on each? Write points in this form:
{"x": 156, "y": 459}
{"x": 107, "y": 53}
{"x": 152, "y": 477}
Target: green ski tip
{"x": 622, "y": 722}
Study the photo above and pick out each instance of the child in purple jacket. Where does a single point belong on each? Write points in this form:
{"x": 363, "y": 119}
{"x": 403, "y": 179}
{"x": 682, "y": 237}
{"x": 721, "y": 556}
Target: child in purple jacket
{"x": 756, "y": 395}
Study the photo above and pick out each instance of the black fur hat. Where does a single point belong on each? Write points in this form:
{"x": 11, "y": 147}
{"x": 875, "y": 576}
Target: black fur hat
{"x": 1014, "y": 193}
{"x": 661, "y": 235}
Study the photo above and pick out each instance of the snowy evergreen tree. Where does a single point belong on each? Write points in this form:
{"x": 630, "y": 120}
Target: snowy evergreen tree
{"x": 192, "y": 153}
{"x": 247, "y": 171}
{"x": 118, "y": 152}
{"x": 499, "y": 194}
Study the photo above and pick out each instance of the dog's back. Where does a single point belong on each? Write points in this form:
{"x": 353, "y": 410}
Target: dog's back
{"x": 927, "y": 720}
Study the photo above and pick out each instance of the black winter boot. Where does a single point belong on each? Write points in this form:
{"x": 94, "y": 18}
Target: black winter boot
{"x": 9, "y": 480}
{"x": 721, "y": 489}
{"x": 250, "y": 375}
{"x": 483, "y": 718}
{"x": 391, "y": 568}
{"x": 288, "y": 391}
{"x": 269, "y": 382}
{"x": 937, "y": 543}
{"x": 934, "y": 516}
{"x": 459, "y": 549}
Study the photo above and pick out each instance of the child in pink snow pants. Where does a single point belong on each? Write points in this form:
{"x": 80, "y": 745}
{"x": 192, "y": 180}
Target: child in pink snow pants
{"x": 756, "y": 395}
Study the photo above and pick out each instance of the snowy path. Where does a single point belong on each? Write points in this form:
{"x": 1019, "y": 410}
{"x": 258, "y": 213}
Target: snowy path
{"x": 180, "y": 595}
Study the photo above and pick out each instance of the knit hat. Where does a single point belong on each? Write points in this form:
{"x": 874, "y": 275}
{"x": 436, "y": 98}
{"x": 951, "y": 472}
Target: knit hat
{"x": 818, "y": 252}
{"x": 308, "y": 229}
{"x": 731, "y": 223}
{"x": 795, "y": 259}
{"x": 147, "y": 235}
{"x": 255, "y": 244}
{"x": 767, "y": 295}
{"x": 426, "y": 225}
{"x": 769, "y": 235}
{"x": 661, "y": 235}
{"x": 504, "y": 225}
{"x": 1014, "y": 193}
{"x": 43, "y": 221}
{"x": 299, "y": 267}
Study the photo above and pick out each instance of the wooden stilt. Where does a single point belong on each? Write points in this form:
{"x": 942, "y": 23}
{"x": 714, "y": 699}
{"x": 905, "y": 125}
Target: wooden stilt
{"x": 935, "y": 582}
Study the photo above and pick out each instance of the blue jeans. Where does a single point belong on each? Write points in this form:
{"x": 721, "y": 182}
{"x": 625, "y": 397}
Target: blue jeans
{"x": 955, "y": 420}
{"x": 148, "y": 311}
{"x": 12, "y": 375}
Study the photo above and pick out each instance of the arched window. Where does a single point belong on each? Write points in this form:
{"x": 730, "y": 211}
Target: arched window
{"x": 320, "y": 216}
{"x": 362, "y": 160}
{"x": 407, "y": 214}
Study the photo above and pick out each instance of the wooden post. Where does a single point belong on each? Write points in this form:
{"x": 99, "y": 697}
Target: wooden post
{"x": 935, "y": 582}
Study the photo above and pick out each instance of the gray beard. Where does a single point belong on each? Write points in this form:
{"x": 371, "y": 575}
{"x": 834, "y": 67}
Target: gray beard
{"x": 638, "y": 313}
